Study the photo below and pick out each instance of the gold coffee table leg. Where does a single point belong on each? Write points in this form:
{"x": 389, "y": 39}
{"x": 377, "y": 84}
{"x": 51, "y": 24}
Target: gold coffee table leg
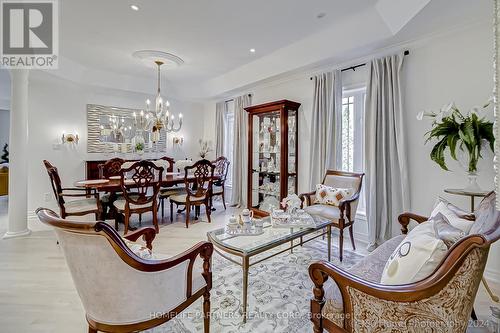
{"x": 494, "y": 297}
{"x": 245, "y": 287}
{"x": 329, "y": 238}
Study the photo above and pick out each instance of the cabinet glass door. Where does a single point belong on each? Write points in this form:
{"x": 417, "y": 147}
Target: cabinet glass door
{"x": 266, "y": 161}
{"x": 292, "y": 152}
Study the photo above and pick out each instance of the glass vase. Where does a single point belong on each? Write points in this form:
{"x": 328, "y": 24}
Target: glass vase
{"x": 138, "y": 143}
{"x": 472, "y": 185}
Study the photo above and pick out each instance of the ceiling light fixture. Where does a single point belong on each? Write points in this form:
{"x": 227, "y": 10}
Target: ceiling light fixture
{"x": 134, "y": 7}
{"x": 252, "y": 50}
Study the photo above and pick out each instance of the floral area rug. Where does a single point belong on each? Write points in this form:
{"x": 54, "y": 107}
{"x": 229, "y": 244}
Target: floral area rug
{"x": 279, "y": 293}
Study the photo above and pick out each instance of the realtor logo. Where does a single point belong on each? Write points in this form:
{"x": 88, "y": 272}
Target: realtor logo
{"x": 29, "y": 34}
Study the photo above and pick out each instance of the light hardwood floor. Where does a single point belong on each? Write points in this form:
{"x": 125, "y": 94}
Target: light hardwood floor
{"x": 36, "y": 290}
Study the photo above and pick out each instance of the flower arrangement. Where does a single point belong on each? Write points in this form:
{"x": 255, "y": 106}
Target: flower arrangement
{"x": 453, "y": 129}
{"x": 205, "y": 147}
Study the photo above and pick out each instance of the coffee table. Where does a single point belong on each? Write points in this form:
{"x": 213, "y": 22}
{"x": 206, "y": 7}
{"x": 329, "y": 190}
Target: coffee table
{"x": 246, "y": 247}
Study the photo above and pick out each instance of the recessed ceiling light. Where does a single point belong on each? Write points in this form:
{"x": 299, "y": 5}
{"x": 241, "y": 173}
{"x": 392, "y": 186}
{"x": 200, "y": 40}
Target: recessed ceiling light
{"x": 321, "y": 15}
{"x": 134, "y": 7}
{"x": 252, "y": 50}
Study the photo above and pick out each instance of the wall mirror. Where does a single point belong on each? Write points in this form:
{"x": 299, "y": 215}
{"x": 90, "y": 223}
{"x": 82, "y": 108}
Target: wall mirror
{"x": 112, "y": 128}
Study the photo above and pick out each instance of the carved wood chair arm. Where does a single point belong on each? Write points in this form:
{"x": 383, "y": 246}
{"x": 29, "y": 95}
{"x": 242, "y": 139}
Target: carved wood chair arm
{"x": 405, "y": 218}
{"x": 306, "y": 197}
{"x": 148, "y": 233}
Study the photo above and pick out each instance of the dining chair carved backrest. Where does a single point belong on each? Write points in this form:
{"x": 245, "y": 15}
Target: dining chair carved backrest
{"x": 140, "y": 190}
{"x": 84, "y": 201}
{"x": 170, "y": 163}
{"x": 106, "y": 274}
{"x": 166, "y": 192}
{"x": 111, "y": 168}
{"x": 221, "y": 169}
{"x": 198, "y": 180}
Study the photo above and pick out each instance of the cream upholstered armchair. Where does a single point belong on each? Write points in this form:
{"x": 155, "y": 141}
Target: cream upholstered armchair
{"x": 354, "y": 300}
{"x": 122, "y": 292}
{"x": 343, "y": 215}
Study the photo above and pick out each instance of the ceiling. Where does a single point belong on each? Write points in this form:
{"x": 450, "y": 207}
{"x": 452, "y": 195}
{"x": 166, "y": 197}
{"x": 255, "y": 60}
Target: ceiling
{"x": 214, "y": 37}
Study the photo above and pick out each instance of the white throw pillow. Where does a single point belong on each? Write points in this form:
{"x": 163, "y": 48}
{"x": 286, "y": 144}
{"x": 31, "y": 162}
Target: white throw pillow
{"x": 455, "y": 216}
{"x": 327, "y": 195}
{"x": 416, "y": 257}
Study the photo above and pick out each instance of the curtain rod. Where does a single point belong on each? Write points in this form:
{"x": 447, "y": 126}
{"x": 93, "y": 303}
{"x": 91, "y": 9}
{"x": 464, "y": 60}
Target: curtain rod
{"x": 232, "y": 99}
{"x": 360, "y": 65}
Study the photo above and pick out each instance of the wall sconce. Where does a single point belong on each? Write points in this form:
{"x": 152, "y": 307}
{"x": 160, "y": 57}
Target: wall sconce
{"x": 178, "y": 140}
{"x": 70, "y": 138}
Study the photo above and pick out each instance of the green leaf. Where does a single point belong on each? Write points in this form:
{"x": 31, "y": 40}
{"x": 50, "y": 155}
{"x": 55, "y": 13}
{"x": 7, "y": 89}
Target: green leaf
{"x": 437, "y": 153}
{"x": 452, "y": 143}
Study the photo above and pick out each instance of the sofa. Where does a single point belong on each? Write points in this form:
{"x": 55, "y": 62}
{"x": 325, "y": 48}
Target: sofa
{"x": 354, "y": 300}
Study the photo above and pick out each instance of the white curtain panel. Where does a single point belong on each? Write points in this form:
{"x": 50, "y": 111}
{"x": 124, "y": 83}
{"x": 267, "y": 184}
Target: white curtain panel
{"x": 240, "y": 149}
{"x": 220, "y": 111}
{"x": 326, "y": 128}
{"x": 387, "y": 185}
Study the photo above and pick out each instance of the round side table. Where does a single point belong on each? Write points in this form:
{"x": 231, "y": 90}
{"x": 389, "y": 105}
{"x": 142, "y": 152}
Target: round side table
{"x": 473, "y": 195}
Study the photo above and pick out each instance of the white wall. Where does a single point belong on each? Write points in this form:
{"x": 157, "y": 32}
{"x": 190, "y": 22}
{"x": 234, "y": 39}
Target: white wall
{"x": 4, "y": 107}
{"x": 4, "y": 128}
{"x": 57, "y": 105}
{"x": 456, "y": 66}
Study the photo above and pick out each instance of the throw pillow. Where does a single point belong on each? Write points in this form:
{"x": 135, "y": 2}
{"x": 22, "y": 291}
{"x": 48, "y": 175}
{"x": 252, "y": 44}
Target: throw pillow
{"x": 416, "y": 257}
{"x": 455, "y": 216}
{"x": 446, "y": 232}
{"x": 327, "y": 195}
{"x": 138, "y": 249}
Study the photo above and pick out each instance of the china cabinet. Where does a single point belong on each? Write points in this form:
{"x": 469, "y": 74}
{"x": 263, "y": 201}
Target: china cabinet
{"x": 272, "y": 154}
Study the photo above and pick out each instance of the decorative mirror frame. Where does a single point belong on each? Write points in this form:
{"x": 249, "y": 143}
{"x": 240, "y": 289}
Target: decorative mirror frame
{"x": 496, "y": 127}
{"x": 94, "y": 111}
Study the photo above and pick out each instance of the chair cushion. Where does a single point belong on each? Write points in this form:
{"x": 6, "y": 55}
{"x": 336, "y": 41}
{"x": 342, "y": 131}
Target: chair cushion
{"x": 80, "y": 206}
{"x": 167, "y": 192}
{"x": 182, "y": 198}
{"x": 455, "y": 216}
{"x": 326, "y": 211}
{"x": 370, "y": 268}
{"x": 416, "y": 258}
{"x": 217, "y": 189}
{"x": 139, "y": 250}
{"x": 327, "y": 195}
{"x": 120, "y": 205}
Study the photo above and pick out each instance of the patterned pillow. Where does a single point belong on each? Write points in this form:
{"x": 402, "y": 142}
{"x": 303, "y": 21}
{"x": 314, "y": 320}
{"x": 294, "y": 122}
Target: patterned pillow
{"x": 327, "y": 195}
{"x": 138, "y": 249}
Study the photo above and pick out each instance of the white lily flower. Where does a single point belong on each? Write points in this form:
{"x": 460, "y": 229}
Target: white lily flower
{"x": 420, "y": 115}
{"x": 447, "y": 109}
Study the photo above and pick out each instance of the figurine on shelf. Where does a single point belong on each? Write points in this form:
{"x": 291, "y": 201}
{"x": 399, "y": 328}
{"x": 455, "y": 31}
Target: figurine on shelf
{"x": 291, "y": 203}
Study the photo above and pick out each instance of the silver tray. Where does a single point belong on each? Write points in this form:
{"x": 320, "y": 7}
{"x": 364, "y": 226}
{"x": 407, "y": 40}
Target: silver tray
{"x": 292, "y": 223}
{"x": 243, "y": 232}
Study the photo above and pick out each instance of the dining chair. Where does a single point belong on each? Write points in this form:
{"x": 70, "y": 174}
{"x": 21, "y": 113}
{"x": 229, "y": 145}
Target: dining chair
{"x": 342, "y": 216}
{"x": 88, "y": 203}
{"x": 221, "y": 170}
{"x": 166, "y": 192}
{"x": 110, "y": 168}
{"x": 122, "y": 292}
{"x": 201, "y": 176}
{"x": 137, "y": 198}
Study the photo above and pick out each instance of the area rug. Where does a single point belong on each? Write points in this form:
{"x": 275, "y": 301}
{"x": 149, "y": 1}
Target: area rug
{"x": 279, "y": 294}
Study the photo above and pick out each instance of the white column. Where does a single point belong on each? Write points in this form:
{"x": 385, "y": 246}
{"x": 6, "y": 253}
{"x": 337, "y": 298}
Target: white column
{"x": 18, "y": 161}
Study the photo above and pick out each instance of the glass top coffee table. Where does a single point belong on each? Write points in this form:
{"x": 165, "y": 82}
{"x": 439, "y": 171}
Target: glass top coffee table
{"x": 249, "y": 246}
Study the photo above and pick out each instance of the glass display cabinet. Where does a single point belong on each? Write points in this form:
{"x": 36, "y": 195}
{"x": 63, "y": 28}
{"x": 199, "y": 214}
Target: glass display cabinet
{"x": 272, "y": 154}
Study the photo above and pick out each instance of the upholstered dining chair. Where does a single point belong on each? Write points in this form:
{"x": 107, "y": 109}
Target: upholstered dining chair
{"x": 140, "y": 191}
{"x": 343, "y": 215}
{"x": 84, "y": 201}
{"x": 166, "y": 192}
{"x": 199, "y": 194}
{"x": 105, "y": 270}
{"x": 110, "y": 168}
{"x": 355, "y": 300}
{"x": 221, "y": 170}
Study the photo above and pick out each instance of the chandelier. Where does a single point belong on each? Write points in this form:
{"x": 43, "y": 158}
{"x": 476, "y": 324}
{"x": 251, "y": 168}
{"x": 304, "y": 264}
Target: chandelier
{"x": 160, "y": 118}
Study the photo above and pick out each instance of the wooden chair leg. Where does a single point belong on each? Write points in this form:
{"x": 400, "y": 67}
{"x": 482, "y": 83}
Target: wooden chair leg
{"x": 140, "y": 218}
{"x": 208, "y": 211}
{"x": 127, "y": 219}
{"x": 223, "y": 199}
{"x": 206, "y": 312}
{"x": 341, "y": 243}
{"x": 162, "y": 201}
{"x": 188, "y": 212}
{"x": 92, "y": 330}
{"x": 171, "y": 212}
{"x": 155, "y": 217}
{"x": 352, "y": 238}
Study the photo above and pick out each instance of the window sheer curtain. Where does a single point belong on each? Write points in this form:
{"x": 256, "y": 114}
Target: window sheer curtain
{"x": 240, "y": 149}
{"x": 326, "y": 127}
{"x": 387, "y": 185}
{"x": 220, "y": 112}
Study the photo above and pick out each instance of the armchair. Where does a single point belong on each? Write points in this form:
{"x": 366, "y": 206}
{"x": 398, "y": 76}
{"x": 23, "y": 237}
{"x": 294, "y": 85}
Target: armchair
{"x": 343, "y": 215}
{"x": 355, "y": 301}
{"x": 167, "y": 286}
{"x": 221, "y": 170}
{"x": 88, "y": 204}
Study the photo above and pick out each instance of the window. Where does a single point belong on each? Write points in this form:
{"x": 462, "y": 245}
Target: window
{"x": 353, "y": 111}
{"x": 229, "y": 138}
